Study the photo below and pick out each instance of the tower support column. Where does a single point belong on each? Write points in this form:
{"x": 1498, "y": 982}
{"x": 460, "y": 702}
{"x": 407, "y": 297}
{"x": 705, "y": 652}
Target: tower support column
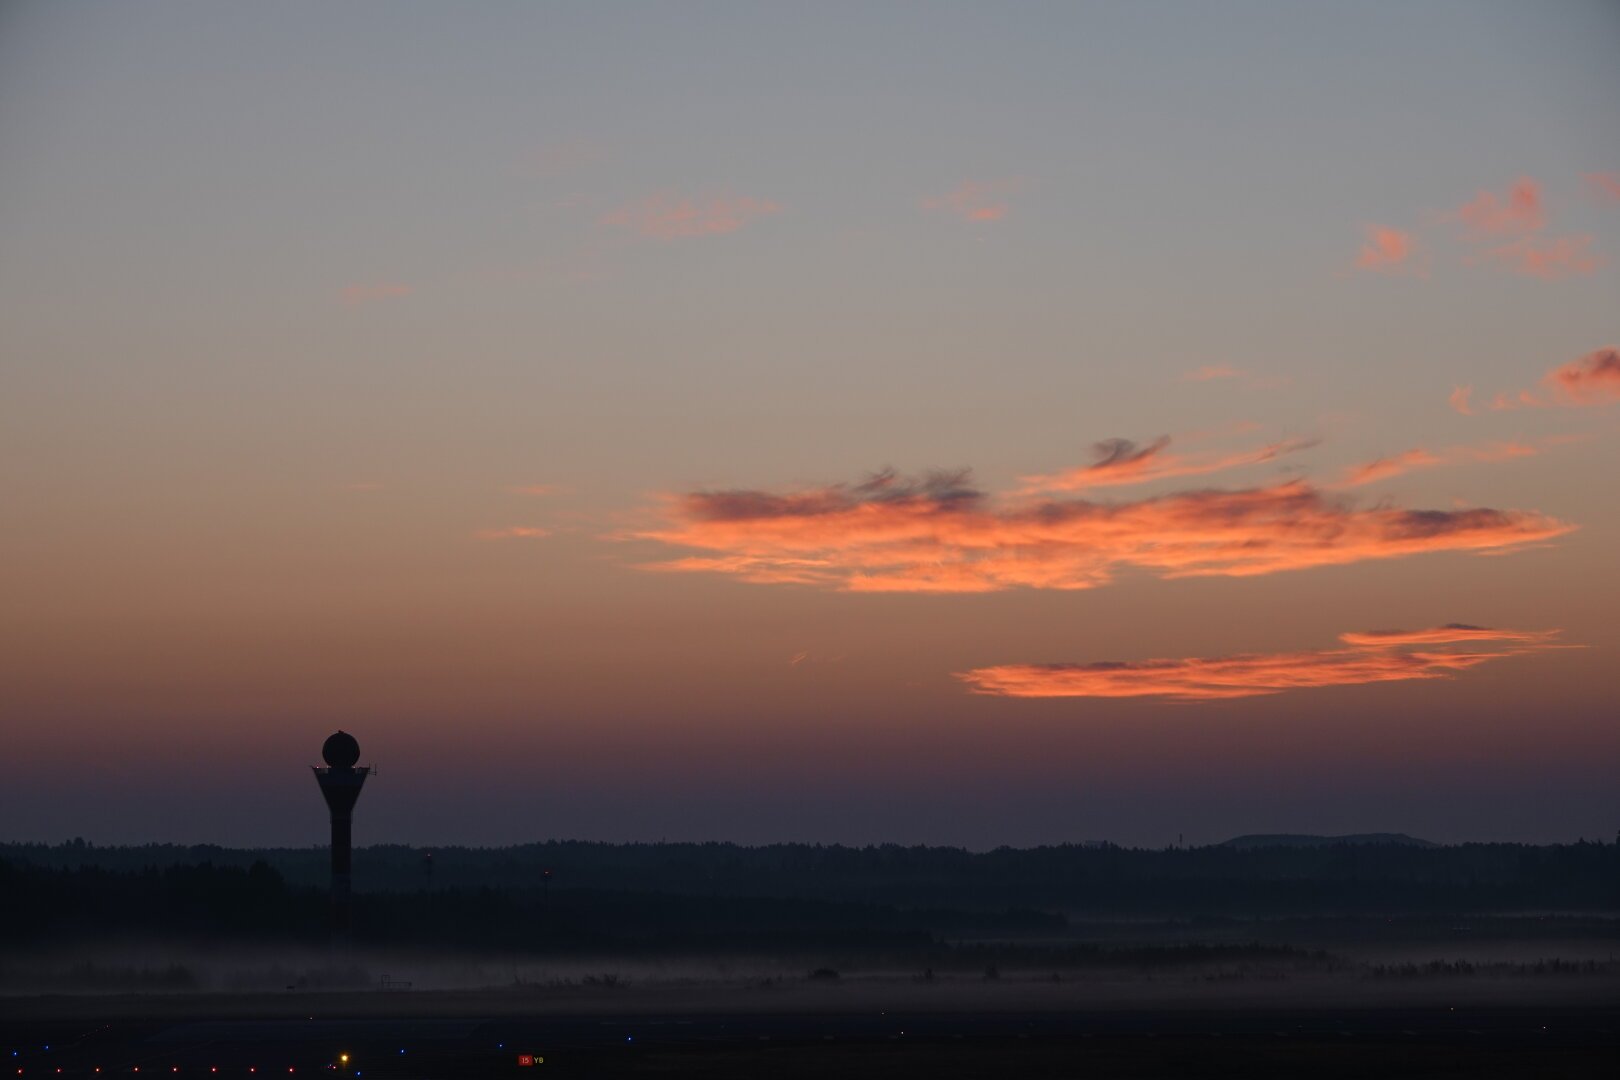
{"x": 340, "y": 784}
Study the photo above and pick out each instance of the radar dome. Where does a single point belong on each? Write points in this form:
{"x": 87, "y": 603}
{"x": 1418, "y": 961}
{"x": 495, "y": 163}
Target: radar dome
{"x": 341, "y": 750}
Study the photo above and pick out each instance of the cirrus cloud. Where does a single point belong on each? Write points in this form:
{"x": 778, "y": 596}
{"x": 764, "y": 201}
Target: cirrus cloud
{"x": 1418, "y": 458}
{"x": 1121, "y": 461}
{"x": 940, "y": 534}
{"x": 1449, "y": 634}
{"x": 1378, "y": 656}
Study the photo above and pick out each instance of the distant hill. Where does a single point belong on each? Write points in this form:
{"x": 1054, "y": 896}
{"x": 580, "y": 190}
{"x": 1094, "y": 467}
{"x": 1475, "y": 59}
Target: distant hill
{"x": 1270, "y": 840}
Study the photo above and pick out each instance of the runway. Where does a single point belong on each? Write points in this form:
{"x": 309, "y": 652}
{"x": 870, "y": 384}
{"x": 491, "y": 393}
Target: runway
{"x": 1521, "y": 1040}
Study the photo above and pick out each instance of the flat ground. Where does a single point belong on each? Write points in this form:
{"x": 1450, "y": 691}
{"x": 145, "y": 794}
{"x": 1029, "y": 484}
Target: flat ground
{"x": 1131, "y": 1026}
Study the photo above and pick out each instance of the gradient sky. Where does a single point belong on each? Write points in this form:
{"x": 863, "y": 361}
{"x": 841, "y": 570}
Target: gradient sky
{"x": 573, "y": 401}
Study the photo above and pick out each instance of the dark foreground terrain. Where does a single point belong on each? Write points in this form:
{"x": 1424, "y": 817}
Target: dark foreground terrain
{"x": 1261, "y": 959}
{"x": 712, "y": 1034}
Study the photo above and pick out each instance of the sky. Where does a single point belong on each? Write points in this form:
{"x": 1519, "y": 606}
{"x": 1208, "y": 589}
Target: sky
{"x": 949, "y": 423}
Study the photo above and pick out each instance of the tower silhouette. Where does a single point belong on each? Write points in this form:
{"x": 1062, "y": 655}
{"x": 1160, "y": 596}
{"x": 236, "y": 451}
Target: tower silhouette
{"x": 340, "y": 784}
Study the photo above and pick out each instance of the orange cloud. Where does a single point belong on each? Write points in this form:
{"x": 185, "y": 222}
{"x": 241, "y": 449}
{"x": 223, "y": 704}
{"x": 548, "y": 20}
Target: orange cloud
{"x": 1448, "y": 634}
{"x": 536, "y": 490}
{"x": 1382, "y": 657}
{"x": 1494, "y": 451}
{"x": 975, "y": 200}
{"x": 1594, "y": 379}
{"x": 939, "y": 534}
{"x": 1384, "y": 468}
{"x": 514, "y": 532}
{"x": 1419, "y": 458}
{"x": 1120, "y": 461}
{"x": 1605, "y": 185}
{"x": 1459, "y": 400}
{"x": 1385, "y": 249}
{"x": 670, "y": 217}
{"x": 1506, "y": 402}
{"x": 1520, "y": 212}
{"x": 365, "y": 293}
{"x": 1558, "y": 257}
{"x": 1507, "y": 233}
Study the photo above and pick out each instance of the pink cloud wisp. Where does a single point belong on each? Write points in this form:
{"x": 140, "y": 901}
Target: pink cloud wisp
{"x": 1509, "y": 233}
{"x": 1385, "y": 249}
{"x": 514, "y": 532}
{"x": 975, "y": 200}
{"x": 1551, "y": 259}
{"x": 1519, "y": 212}
{"x": 1604, "y": 185}
{"x": 671, "y": 217}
